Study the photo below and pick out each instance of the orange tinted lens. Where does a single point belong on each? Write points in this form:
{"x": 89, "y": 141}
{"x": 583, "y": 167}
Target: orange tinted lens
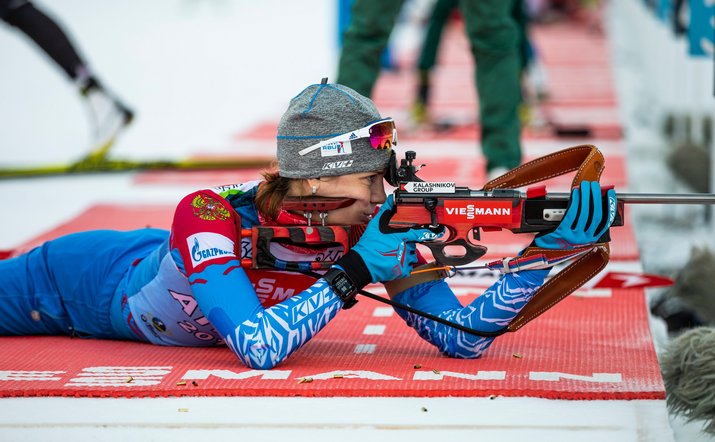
{"x": 381, "y": 135}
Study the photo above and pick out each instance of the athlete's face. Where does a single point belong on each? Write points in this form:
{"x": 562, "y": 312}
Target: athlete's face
{"x": 367, "y": 189}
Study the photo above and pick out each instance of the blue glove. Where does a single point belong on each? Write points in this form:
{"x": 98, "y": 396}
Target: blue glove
{"x": 384, "y": 253}
{"x": 582, "y": 224}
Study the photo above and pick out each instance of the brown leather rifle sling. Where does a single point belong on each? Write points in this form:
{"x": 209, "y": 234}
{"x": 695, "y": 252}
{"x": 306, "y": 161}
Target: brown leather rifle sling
{"x": 588, "y": 163}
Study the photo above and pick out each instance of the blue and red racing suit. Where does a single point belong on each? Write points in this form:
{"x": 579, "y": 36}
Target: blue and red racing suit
{"x": 188, "y": 288}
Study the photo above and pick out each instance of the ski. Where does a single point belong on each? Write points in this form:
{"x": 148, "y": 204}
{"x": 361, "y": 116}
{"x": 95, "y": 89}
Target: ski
{"x": 121, "y": 165}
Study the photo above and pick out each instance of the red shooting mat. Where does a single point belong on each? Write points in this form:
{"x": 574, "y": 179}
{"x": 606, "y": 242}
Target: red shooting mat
{"x": 594, "y": 345}
{"x": 584, "y": 348}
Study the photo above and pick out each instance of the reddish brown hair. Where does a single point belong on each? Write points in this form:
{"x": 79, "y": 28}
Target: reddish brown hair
{"x": 271, "y": 193}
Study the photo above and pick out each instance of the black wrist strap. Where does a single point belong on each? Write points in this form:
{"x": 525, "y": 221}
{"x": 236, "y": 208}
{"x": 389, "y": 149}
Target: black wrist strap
{"x": 349, "y": 277}
{"x": 354, "y": 266}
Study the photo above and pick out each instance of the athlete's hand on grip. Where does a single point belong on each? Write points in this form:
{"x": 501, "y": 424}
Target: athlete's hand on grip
{"x": 386, "y": 253}
{"x": 584, "y": 221}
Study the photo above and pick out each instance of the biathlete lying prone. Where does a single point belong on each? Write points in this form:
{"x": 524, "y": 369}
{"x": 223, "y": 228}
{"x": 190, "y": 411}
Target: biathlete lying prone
{"x": 186, "y": 287}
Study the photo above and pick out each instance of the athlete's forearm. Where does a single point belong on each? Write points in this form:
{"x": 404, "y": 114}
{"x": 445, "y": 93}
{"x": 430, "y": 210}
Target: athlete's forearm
{"x": 491, "y": 311}
{"x": 261, "y": 337}
{"x": 273, "y": 334}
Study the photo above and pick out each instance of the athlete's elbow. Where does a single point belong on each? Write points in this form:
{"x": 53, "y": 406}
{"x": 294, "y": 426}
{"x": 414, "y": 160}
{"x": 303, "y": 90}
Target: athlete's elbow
{"x": 257, "y": 354}
{"x": 256, "y": 348}
{"x": 260, "y": 364}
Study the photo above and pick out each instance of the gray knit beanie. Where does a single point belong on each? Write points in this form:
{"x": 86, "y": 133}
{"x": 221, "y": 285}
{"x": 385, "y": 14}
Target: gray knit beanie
{"x": 320, "y": 112}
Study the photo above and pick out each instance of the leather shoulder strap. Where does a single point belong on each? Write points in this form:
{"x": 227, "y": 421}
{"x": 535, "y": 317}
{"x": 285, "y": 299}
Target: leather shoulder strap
{"x": 588, "y": 163}
{"x": 586, "y": 160}
{"x": 562, "y": 284}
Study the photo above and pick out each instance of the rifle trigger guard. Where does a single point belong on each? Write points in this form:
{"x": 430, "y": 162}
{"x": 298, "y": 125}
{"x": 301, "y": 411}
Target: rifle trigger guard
{"x": 471, "y": 254}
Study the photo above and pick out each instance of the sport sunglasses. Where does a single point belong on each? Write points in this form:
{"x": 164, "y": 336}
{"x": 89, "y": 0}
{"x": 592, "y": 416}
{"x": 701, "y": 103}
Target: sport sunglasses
{"x": 382, "y": 135}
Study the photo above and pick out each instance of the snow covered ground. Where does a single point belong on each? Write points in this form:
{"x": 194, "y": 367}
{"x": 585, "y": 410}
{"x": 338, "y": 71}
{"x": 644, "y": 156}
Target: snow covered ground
{"x": 198, "y": 71}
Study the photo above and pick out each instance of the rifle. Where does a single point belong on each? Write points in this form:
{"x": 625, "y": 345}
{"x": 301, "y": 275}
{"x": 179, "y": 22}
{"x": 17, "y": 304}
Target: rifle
{"x": 466, "y": 212}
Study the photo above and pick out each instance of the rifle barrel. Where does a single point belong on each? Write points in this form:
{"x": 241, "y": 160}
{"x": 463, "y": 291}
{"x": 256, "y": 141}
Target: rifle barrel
{"x": 652, "y": 198}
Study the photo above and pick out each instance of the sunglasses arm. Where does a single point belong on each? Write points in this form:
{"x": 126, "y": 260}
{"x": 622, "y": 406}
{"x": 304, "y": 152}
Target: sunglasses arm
{"x": 360, "y": 133}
